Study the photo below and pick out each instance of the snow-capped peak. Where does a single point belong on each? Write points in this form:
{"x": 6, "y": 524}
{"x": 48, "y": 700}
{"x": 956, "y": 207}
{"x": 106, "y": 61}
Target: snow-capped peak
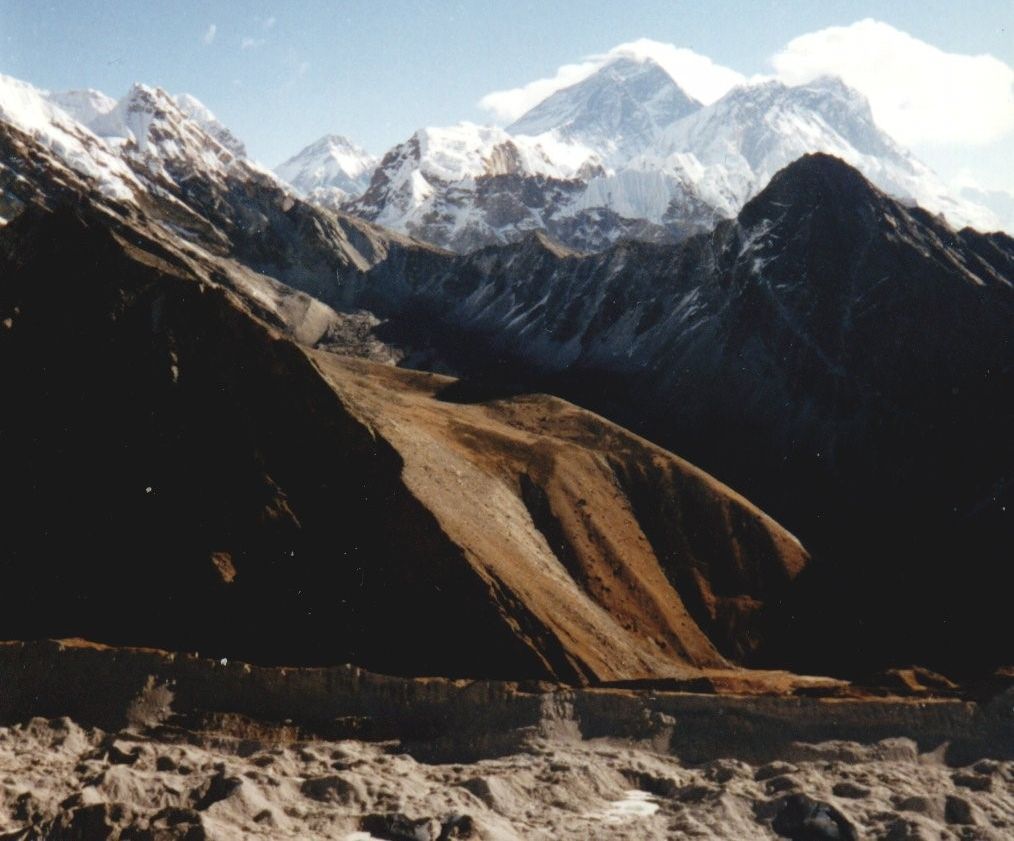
{"x": 752, "y": 132}
{"x": 619, "y": 111}
{"x": 332, "y": 165}
{"x": 149, "y": 125}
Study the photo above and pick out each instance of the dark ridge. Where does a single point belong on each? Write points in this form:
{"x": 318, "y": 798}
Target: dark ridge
{"x": 812, "y": 181}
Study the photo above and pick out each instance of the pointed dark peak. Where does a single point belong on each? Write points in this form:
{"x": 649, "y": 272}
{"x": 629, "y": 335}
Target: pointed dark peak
{"x": 812, "y": 181}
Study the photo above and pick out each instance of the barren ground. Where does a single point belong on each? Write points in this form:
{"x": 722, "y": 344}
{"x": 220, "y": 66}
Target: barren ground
{"x": 59, "y": 780}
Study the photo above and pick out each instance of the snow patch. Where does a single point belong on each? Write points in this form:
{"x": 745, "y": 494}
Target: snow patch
{"x": 635, "y": 804}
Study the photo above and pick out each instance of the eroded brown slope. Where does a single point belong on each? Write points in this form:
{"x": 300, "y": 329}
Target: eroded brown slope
{"x": 180, "y": 474}
{"x": 617, "y": 545}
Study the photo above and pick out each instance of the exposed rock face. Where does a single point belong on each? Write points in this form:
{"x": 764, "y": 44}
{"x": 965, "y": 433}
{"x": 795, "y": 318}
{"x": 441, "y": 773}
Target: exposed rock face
{"x": 841, "y": 358}
{"x": 182, "y": 475}
{"x": 844, "y": 359}
{"x": 467, "y": 186}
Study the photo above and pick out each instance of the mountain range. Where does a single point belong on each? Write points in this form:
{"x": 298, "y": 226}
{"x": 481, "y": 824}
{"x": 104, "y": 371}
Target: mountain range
{"x": 623, "y": 154}
{"x": 177, "y": 318}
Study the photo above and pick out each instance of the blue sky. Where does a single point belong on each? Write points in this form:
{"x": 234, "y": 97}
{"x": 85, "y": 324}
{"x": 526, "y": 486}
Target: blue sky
{"x": 280, "y": 74}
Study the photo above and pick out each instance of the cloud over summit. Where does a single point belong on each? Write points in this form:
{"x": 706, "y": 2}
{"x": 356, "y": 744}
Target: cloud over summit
{"x": 918, "y": 92}
{"x": 698, "y": 75}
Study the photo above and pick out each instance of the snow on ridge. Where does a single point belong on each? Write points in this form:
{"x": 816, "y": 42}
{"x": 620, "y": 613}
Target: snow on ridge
{"x": 618, "y": 111}
{"x": 149, "y": 127}
{"x": 84, "y": 105}
{"x": 467, "y": 150}
{"x": 28, "y": 109}
{"x": 196, "y": 110}
{"x": 682, "y": 165}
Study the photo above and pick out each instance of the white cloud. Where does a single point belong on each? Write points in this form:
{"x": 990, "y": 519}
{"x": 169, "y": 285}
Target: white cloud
{"x": 209, "y": 34}
{"x": 918, "y": 93}
{"x": 251, "y": 43}
{"x": 510, "y": 104}
{"x": 268, "y": 23}
{"x": 698, "y": 75}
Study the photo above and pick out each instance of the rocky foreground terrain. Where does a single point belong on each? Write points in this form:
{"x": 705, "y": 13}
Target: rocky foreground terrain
{"x": 169, "y": 746}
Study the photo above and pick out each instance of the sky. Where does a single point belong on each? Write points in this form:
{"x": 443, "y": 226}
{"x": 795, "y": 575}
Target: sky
{"x": 281, "y": 74}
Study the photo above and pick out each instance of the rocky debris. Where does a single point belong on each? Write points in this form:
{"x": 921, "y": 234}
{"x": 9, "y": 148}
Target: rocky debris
{"x": 554, "y": 790}
{"x": 801, "y": 818}
{"x": 850, "y": 790}
{"x": 214, "y": 789}
{"x": 778, "y": 729}
{"x": 397, "y": 827}
{"x": 914, "y": 680}
{"x": 957, "y": 810}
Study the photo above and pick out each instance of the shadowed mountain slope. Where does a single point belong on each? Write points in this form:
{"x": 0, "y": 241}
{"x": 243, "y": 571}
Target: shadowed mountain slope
{"x": 179, "y": 473}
